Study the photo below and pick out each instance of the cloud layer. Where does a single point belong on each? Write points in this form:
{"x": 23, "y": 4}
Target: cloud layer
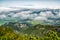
{"x": 31, "y": 14}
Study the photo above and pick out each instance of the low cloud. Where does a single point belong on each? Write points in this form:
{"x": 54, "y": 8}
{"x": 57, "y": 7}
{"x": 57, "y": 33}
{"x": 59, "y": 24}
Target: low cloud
{"x": 30, "y": 15}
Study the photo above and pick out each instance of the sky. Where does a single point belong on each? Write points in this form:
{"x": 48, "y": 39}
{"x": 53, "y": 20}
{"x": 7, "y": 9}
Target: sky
{"x": 31, "y": 3}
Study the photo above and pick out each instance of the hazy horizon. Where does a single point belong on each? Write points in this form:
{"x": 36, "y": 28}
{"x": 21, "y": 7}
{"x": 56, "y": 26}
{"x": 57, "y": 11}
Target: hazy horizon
{"x": 30, "y": 3}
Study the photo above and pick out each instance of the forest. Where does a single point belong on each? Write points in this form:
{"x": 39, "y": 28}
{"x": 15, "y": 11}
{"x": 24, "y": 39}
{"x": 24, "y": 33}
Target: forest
{"x": 36, "y": 32}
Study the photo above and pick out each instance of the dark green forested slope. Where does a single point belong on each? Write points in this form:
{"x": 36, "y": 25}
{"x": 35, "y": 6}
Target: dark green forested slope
{"x": 36, "y": 32}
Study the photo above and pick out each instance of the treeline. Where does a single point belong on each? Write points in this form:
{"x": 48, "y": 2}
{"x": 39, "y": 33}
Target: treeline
{"x": 7, "y": 33}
